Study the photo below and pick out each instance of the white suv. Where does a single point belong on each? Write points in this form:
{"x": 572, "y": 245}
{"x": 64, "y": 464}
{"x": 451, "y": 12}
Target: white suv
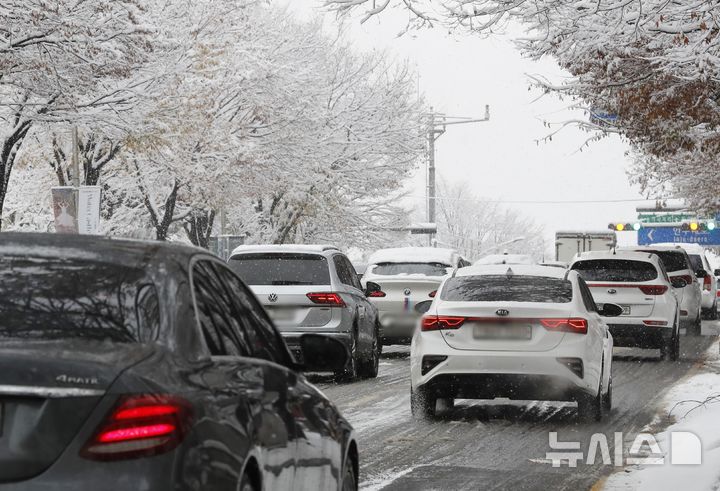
{"x": 524, "y": 332}
{"x": 707, "y": 281}
{"x": 407, "y": 276}
{"x": 638, "y": 282}
{"x": 678, "y": 265}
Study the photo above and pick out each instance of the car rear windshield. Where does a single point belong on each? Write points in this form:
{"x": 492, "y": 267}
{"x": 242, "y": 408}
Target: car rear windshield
{"x": 64, "y": 298}
{"x": 672, "y": 260}
{"x": 396, "y": 269}
{"x": 281, "y": 269}
{"x": 696, "y": 261}
{"x": 624, "y": 270}
{"x": 503, "y": 288}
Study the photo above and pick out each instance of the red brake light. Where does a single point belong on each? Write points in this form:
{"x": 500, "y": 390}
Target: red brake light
{"x": 578, "y": 326}
{"x": 688, "y": 279}
{"x": 140, "y": 426}
{"x": 329, "y": 299}
{"x": 655, "y": 323}
{"x": 432, "y": 294}
{"x": 707, "y": 283}
{"x": 377, "y": 294}
{"x": 653, "y": 289}
{"x": 440, "y": 322}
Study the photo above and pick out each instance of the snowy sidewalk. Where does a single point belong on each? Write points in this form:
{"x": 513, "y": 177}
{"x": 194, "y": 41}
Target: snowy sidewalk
{"x": 694, "y": 405}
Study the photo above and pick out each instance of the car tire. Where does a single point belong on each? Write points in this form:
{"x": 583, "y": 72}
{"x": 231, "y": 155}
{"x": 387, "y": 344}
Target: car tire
{"x": 592, "y": 408}
{"x": 422, "y": 404}
{"x": 696, "y": 327}
{"x": 246, "y": 483}
{"x": 349, "y": 482}
{"x": 369, "y": 367}
{"x": 350, "y": 372}
{"x": 607, "y": 400}
{"x": 713, "y": 314}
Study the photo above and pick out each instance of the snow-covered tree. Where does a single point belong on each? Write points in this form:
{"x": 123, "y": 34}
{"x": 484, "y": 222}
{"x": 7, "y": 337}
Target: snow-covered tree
{"x": 476, "y": 226}
{"x": 65, "y": 61}
{"x": 653, "y": 64}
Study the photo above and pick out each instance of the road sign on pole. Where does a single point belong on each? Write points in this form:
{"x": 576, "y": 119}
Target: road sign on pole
{"x": 654, "y": 235}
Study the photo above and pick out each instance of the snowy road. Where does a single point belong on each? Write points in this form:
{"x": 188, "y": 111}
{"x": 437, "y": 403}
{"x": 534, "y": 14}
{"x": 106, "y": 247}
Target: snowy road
{"x": 500, "y": 445}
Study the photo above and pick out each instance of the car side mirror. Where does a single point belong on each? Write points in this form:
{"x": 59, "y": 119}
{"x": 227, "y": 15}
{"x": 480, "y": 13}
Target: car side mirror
{"x": 701, "y": 273}
{"x": 610, "y": 310}
{"x": 423, "y": 307}
{"x": 678, "y": 283}
{"x": 322, "y": 353}
{"x": 372, "y": 289}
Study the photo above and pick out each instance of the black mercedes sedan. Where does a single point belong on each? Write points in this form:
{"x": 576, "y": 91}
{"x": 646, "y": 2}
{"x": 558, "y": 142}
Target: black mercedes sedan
{"x": 131, "y": 365}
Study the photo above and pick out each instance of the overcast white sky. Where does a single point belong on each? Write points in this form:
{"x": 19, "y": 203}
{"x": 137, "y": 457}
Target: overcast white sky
{"x": 459, "y": 74}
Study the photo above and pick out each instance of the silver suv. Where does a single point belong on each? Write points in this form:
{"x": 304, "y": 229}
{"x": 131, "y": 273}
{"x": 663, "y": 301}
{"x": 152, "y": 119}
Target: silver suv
{"x": 314, "y": 289}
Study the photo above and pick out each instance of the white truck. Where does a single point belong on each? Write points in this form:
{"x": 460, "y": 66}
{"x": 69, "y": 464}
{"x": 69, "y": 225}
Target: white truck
{"x": 569, "y": 243}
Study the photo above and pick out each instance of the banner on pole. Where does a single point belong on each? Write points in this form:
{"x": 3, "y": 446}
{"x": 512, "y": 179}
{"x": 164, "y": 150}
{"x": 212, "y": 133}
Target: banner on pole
{"x": 64, "y": 202}
{"x": 89, "y": 210}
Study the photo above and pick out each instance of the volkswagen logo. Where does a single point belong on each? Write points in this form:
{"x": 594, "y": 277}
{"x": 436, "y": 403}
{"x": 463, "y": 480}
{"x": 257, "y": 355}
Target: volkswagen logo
{"x": 612, "y": 291}
{"x": 407, "y": 292}
{"x": 502, "y": 312}
{"x": 272, "y": 297}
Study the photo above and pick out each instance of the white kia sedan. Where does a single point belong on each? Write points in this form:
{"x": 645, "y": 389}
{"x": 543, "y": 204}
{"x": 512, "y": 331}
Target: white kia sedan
{"x": 524, "y": 332}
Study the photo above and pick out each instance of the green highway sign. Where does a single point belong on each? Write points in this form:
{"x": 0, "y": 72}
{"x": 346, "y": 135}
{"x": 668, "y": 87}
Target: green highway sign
{"x": 665, "y": 217}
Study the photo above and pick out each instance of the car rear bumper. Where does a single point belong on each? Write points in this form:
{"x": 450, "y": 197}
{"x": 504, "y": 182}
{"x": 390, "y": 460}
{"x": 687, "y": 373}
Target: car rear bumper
{"x": 507, "y": 385}
{"x": 292, "y": 339}
{"x": 708, "y": 300}
{"x": 640, "y": 335}
{"x": 397, "y": 327}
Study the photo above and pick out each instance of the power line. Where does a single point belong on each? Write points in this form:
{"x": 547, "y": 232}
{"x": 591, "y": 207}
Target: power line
{"x": 539, "y": 202}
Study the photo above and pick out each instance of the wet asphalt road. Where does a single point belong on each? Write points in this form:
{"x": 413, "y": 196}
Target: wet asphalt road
{"x": 499, "y": 444}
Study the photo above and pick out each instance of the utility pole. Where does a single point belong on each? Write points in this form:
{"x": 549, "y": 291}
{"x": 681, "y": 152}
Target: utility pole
{"x": 75, "y": 159}
{"x": 436, "y": 127}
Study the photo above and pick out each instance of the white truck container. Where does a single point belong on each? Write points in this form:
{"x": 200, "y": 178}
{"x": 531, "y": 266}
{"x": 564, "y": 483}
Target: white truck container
{"x": 569, "y": 243}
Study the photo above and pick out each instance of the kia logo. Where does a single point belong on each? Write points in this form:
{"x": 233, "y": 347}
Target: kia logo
{"x": 407, "y": 292}
{"x": 612, "y": 291}
{"x": 272, "y": 297}
{"x": 502, "y": 312}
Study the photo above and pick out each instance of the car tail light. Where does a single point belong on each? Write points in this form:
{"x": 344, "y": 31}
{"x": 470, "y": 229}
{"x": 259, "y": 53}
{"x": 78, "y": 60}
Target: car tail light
{"x": 440, "y": 322}
{"x": 328, "y": 299}
{"x": 688, "y": 279}
{"x": 377, "y": 294}
{"x": 578, "y": 326}
{"x": 718, "y": 293}
{"x": 655, "y": 323}
{"x": 432, "y": 294}
{"x": 653, "y": 289}
{"x": 140, "y": 426}
{"x": 707, "y": 283}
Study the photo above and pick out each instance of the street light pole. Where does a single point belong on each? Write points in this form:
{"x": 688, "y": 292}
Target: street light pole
{"x": 436, "y": 127}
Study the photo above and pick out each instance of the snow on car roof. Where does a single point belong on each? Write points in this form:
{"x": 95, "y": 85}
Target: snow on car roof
{"x": 414, "y": 255}
{"x": 690, "y": 248}
{"x": 517, "y": 269}
{"x": 506, "y": 259}
{"x": 297, "y": 248}
{"x": 618, "y": 254}
{"x": 650, "y": 247}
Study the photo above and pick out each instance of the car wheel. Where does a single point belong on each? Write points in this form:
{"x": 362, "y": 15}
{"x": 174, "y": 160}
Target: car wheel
{"x": 422, "y": 404}
{"x": 370, "y": 367}
{"x": 351, "y": 369}
{"x": 246, "y": 483}
{"x": 349, "y": 482}
{"x": 592, "y": 408}
{"x": 696, "y": 327}
{"x": 607, "y": 400}
{"x": 713, "y": 314}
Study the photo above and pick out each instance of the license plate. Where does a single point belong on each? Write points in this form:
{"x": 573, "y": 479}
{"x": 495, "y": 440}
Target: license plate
{"x": 491, "y": 331}
{"x": 626, "y": 310}
{"x": 281, "y": 314}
